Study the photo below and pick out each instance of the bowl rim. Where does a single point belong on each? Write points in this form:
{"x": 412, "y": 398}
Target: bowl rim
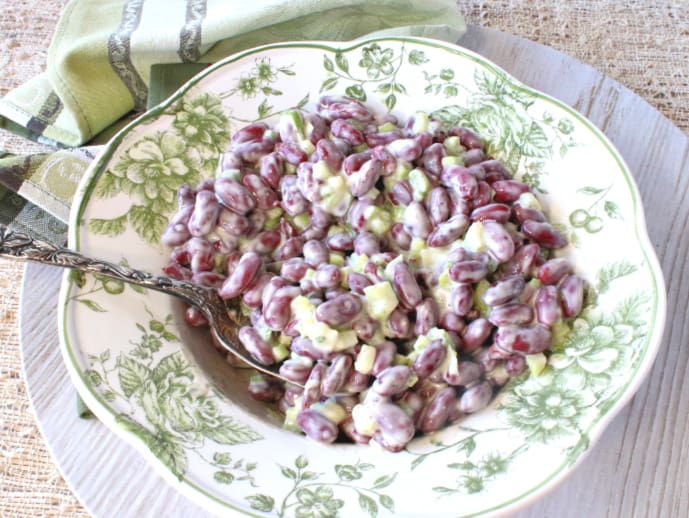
{"x": 212, "y": 502}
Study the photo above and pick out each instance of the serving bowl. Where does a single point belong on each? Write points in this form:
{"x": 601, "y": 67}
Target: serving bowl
{"x": 162, "y": 387}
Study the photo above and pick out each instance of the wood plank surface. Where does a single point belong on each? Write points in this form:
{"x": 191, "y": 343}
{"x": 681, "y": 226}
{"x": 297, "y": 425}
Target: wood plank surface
{"x": 640, "y": 466}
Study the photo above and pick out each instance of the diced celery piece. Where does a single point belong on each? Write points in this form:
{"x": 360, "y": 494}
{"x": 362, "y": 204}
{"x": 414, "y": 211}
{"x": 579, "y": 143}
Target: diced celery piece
{"x": 266, "y": 333}
{"x": 364, "y": 422}
{"x": 447, "y": 161}
{"x": 307, "y": 146}
{"x": 280, "y": 352}
{"x": 330, "y": 409}
{"x": 479, "y": 291}
{"x": 421, "y": 343}
{"x": 401, "y": 359}
{"x": 453, "y": 146}
{"x": 235, "y": 174}
{"x": 474, "y": 239}
{"x": 528, "y": 201}
{"x": 536, "y": 363}
{"x": 387, "y": 127}
{"x": 321, "y": 171}
{"x": 365, "y": 358}
{"x": 293, "y": 117}
{"x": 301, "y": 221}
{"x": 290, "y": 422}
{"x": 417, "y": 245}
{"x": 379, "y": 220}
{"x": 380, "y": 300}
{"x": 358, "y": 261}
{"x": 419, "y": 183}
{"x": 337, "y": 259}
{"x": 420, "y": 123}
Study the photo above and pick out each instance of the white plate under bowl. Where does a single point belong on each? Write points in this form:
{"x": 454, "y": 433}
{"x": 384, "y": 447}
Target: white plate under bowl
{"x": 141, "y": 369}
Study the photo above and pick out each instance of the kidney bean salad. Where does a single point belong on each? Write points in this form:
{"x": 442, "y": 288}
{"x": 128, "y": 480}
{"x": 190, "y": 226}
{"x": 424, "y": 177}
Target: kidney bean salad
{"x": 394, "y": 270}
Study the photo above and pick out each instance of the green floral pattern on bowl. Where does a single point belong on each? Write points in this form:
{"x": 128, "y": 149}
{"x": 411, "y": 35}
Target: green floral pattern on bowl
{"x": 162, "y": 387}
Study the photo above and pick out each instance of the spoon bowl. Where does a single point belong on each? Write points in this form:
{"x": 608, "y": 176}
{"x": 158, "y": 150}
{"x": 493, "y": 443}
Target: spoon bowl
{"x": 224, "y": 317}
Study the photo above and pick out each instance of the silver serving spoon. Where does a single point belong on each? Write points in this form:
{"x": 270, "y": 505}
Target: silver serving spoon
{"x": 223, "y": 317}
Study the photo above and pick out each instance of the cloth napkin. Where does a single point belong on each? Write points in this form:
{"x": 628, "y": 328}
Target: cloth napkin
{"x": 99, "y": 71}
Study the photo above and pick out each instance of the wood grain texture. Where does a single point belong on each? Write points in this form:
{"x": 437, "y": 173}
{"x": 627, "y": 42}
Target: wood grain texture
{"x": 640, "y": 465}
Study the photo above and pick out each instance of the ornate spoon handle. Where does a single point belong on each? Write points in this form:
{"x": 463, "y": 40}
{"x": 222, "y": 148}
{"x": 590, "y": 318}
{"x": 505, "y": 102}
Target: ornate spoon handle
{"x": 17, "y": 245}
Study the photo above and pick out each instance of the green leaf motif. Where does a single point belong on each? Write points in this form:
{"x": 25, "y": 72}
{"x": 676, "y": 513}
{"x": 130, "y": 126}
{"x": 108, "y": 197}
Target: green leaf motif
{"x": 92, "y": 305}
{"x": 368, "y": 504}
{"x": 444, "y": 490}
{"x": 133, "y": 375}
{"x": 93, "y": 377}
{"x": 591, "y": 191}
{"x": 612, "y": 210}
{"x": 328, "y": 84}
{"x": 342, "y": 62}
{"x": 229, "y": 431}
{"x": 301, "y": 462}
{"x": 418, "y": 57}
{"x": 173, "y": 370}
{"x": 390, "y": 101}
{"x": 264, "y": 109}
{"x": 387, "y": 502}
{"x": 347, "y": 472}
{"x": 108, "y": 185}
{"x": 222, "y": 459}
{"x": 147, "y": 223}
{"x": 328, "y": 64}
{"x": 357, "y": 92}
{"x": 109, "y": 227}
{"x": 288, "y": 473}
{"x": 223, "y": 477}
{"x": 535, "y": 142}
{"x": 309, "y": 475}
{"x": 384, "y": 481}
{"x": 263, "y": 503}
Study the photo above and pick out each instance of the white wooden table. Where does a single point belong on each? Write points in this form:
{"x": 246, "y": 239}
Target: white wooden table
{"x": 639, "y": 468}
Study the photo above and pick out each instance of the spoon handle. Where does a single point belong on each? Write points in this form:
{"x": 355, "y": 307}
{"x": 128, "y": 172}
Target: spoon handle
{"x": 17, "y": 245}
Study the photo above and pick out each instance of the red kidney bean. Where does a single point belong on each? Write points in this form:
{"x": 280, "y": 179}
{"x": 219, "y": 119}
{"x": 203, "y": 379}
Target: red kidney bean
{"x": 304, "y": 347}
{"x": 554, "y": 270}
{"x": 357, "y": 282}
{"x": 339, "y": 310}
{"x": 354, "y": 162}
{"x": 426, "y": 316}
{"x": 336, "y": 374}
{"x": 475, "y": 334}
{"x": 340, "y": 243}
{"x": 252, "y": 296}
{"x": 320, "y": 218}
{"x": 432, "y": 159}
{"x": 256, "y": 220}
{"x": 329, "y": 153}
{"x": 452, "y": 322}
{"x": 407, "y": 149}
{"x": 374, "y": 139}
{"x": 347, "y": 131}
{"x": 467, "y": 373}
{"x": 264, "y": 388}
{"x": 385, "y": 356}
{"x": 327, "y": 276}
{"x": 406, "y": 287}
{"x": 571, "y": 295}
{"x": 448, "y": 231}
{"x": 242, "y": 276}
{"x": 389, "y": 162}
{"x": 315, "y": 253}
{"x": 365, "y": 327}
{"x": 208, "y": 279}
{"x": 392, "y": 380}
{"x": 504, "y": 290}
{"x": 484, "y": 195}
{"x": 461, "y": 179}
{"x": 462, "y": 299}
{"x": 177, "y": 231}
{"x": 233, "y": 223}
{"x": 521, "y": 214}
{"x": 252, "y": 151}
{"x": 400, "y": 236}
{"x": 547, "y": 305}
{"x": 308, "y": 184}
{"x": 363, "y": 180}
{"x": 511, "y": 314}
{"x": 272, "y": 169}
{"x": 498, "y": 212}
{"x": 401, "y": 193}
{"x": 366, "y": 243}
{"x": 357, "y": 214}
{"x": 399, "y": 324}
{"x": 293, "y": 202}
{"x": 314, "y": 232}
{"x": 498, "y": 241}
{"x": 438, "y": 205}
{"x": 294, "y": 370}
{"x": 194, "y": 317}
{"x": 476, "y": 397}
{"x": 468, "y": 271}
{"x": 515, "y": 365}
{"x": 416, "y": 221}
{"x": 523, "y": 260}
{"x": 395, "y": 427}
{"x": 265, "y": 242}
{"x": 273, "y": 285}
{"x": 277, "y": 312}
{"x": 205, "y": 215}
{"x": 356, "y": 383}
{"x": 436, "y": 412}
{"x": 294, "y": 269}
{"x": 265, "y": 197}
{"x": 467, "y": 138}
{"x": 474, "y": 157}
{"x": 292, "y": 153}
{"x": 523, "y": 340}
{"x": 544, "y": 234}
{"x": 234, "y": 195}
{"x": 331, "y": 108}
{"x": 508, "y": 191}
{"x": 230, "y": 160}
{"x": 255, "y": 345}
{"x": 292, "y": 247}
{"x": 316, "y": 426}
{"x": 312, "y": 387}
{"x": 429, "y": 358}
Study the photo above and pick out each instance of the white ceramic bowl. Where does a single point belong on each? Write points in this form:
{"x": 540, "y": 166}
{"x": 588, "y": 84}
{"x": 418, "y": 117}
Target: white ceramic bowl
{"x": 136, "y": 363}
